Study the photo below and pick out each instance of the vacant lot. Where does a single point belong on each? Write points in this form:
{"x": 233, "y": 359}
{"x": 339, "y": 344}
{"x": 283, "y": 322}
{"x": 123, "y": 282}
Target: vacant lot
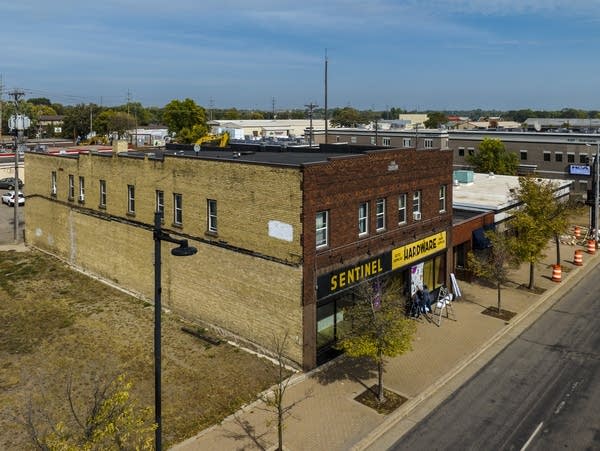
{"x": 58, "y": 324}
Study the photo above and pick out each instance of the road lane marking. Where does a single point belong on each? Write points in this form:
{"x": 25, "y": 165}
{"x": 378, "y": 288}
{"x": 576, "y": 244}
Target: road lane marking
{"x": 528, "y": 442}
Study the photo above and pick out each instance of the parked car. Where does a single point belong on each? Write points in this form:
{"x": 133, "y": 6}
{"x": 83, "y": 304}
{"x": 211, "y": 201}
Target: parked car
{"x": 9, "y": 183}
{"x": 9, "y": 198}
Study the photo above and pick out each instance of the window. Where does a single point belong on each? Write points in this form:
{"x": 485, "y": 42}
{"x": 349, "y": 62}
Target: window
{"x": 160, "y": 203}
{"x": 417, "y": 205}
{"x": 81, "y": 189}
{"x": 546, "y": 155}
{"x": 386, "y": 141}
{"x": 321, "y": 228}
{"x": 584, "y": 158}
{"x": 570, "y": 157}
{"x": 428, "y": 143}
{"x": 177, "y": 209}
{"x": 406, "y": 142}
{"x": 353, "y": 139}
{"x": 380, "y": 214}
{"x": 363, "y": 218}
{"x": 212, "y": 215}
{"x": 71, "y": 187}
{"x": 442, "y": 198}
{"x": 402, "y": 209}
{"x": 373, "y": 141}
{"x": 130, "y": 199}
{"x": 102, "y": 193}
{"x": 53, "y": 184}
{"x": 461, "y": 151}
{"x": 523, "y": 155}
{"x": 471, "y": 151}
{"x": 558, "y": 157}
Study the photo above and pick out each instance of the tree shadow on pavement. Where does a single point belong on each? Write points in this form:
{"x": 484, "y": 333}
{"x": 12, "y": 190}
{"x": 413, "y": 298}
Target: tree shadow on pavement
{"x": 249, "y": 432}
{"x": 346, "y": 368}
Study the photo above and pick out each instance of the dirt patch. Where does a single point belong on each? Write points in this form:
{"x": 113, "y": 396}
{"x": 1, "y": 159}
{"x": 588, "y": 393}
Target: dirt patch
{"x": 505, "y": 315}
{"x": 391, "y": 403}
{"x": 59, "y": 324}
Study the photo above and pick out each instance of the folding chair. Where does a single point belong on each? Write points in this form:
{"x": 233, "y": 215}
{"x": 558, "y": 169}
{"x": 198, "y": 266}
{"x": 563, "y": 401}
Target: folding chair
{"x": 443, "y": 303}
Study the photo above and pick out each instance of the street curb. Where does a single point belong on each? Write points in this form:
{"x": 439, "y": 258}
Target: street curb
{"x": 547, "y": 300}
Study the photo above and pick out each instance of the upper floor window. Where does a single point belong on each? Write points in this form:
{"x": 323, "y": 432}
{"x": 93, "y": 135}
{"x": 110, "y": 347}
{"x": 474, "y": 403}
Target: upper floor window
{"x": 402, "y": 208}
{"x": 428, "y": 143}
{"x": 558, "y": 157}
{"x": 102, "y": 193}
{"x": 471, "y": 151}
{"x": 461, "y": 151}
{"x": 584, "y": 158}
{"x": 177, "y": 209}
{"x": 321, "y": 228}
{"x": 131, "y": 199}
{"x": 212, "y": 215}
{"x": 386, "y": 141}
{"x": 570, "y": 157}
{"x": 363, "y": 218}
{"x": 81, "y": 189}
{"x": 373, "y": 140}
{"x": 406, "y": 142}
{"x": 523, "y": 154}
{"x": 160, "y": 203}
{"x": 53, "y": 184}
{"x": 380, "y": 214}
{"x": 442, "y": 198}
{"x": 416, "y": 205}
{"x": 546, "y": 155}
{"x": 353, "y": 139}
{"x": 71, "y": 187}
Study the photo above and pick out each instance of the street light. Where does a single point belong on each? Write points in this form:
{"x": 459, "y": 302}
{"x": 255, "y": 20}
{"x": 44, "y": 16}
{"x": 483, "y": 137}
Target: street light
{"x": 596, "y": 190}
{"x": 183, "y": 250}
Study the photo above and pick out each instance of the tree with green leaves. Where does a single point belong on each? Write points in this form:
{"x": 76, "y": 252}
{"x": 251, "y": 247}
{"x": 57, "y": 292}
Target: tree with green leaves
{"x": 378, "y": 327}
{"x": 179, "y": 114}
{"x": 435, "y": 119}
{"x": 347, "y": 117}
{"x": 540, "y": 217}
{"x": 494, "y": 263}
{"x": 108, "y": 420}
{"x": 492, "y": 156}
{"x": 76, "y": 122}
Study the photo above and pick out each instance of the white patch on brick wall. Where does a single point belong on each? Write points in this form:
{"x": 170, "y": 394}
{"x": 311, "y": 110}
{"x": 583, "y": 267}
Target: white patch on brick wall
{"x": 38, "y": 232}
{"x": 281, "y": 230}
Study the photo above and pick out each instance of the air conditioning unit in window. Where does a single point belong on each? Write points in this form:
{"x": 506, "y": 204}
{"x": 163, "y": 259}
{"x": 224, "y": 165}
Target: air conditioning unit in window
{"x": 417, "y": 215}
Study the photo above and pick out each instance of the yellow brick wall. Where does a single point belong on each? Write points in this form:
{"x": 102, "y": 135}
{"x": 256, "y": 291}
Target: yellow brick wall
{"x": 252, "y": 296}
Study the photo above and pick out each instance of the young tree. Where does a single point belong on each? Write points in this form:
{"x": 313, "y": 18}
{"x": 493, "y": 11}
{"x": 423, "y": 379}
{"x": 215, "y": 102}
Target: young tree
{"x": 347, "y": 117}
{"x": 378, "y": 327}
{"x": 541, "y": 217}
{"x": 494, "y": 263}
{"x": 491, "y": 156}
{"x": 107, "y": 420}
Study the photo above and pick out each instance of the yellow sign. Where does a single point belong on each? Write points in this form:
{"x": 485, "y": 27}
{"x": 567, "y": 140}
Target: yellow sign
{"x": 404, "y": 255}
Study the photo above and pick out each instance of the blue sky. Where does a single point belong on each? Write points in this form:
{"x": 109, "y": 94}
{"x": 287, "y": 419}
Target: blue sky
{"x": 412, "y": 54}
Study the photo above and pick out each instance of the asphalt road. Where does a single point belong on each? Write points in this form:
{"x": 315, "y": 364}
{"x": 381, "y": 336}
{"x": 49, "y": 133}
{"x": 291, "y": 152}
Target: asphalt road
{"x": 7, "y": 222}
{"x": 542, "y": 392}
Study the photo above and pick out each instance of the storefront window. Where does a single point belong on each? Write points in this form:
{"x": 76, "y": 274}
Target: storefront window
{"x": 325, "y": 324}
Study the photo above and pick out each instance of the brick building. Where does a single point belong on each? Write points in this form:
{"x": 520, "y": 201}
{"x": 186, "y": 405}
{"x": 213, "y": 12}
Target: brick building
{"x": 282, "y": 237}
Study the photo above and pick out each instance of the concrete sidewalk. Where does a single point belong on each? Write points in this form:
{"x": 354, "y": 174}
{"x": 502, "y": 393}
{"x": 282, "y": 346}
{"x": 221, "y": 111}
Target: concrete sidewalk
{"x": 326, "y": 417}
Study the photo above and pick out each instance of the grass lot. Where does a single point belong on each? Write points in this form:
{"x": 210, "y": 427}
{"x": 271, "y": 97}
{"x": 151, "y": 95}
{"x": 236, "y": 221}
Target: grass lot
{"x": 57, "y": 323}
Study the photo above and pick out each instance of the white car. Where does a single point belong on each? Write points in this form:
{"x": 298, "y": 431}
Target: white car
{"x": 8, "y": 198}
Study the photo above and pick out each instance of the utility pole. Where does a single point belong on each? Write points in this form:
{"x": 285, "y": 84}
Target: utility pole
{"x": 326, "y": 131}
{"x": 1, "y": 93}
{"x": 211, "y": 104}
{"x": 19, "y": 124}
{"x": 311, "y": 106}
{"x": 273, "y": 107}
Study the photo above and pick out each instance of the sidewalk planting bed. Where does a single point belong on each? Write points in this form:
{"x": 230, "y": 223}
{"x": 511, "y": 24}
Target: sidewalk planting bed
{"x": 59, "y": 324}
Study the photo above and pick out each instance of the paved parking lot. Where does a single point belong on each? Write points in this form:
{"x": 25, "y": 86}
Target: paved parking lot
{"x": 7, "y": 223}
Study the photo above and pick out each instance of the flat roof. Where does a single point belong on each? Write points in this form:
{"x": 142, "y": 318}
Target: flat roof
{"x": 490, "y": 192}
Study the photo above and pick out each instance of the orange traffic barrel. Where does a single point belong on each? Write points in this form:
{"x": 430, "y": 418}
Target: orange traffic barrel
{"x": 578, "y": 258}
{"x": 577, "y": 232}
{"x": 591, "y": 246}
{"x": 556, "y": 273}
